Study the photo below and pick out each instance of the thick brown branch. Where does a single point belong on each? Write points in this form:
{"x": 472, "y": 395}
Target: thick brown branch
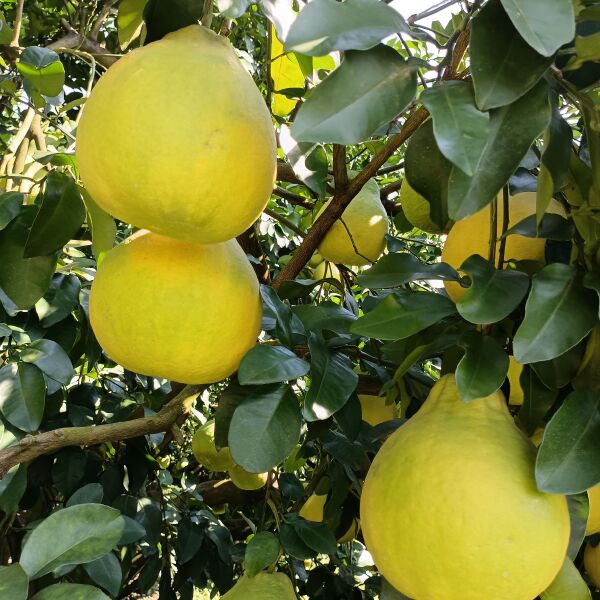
{"x": 286, "y": 173}
{"x": 74, "y": 40}
{"x": 336, "y": 207}
{"x": 32, "y": 446}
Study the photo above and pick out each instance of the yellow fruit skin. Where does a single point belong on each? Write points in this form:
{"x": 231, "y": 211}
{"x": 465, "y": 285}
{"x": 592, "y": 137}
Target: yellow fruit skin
{"x": 375, "y": 410}
{"x": 417, "y": 210}
{"x": 593, "y": 522}
{"x": 471, "y": 236}
{"x": 186, "y": 312}
{"x": 591, "y": 561}
{"x": 517, "y": 396}
{"x": 158, "y": 138}
{"x": 326, "y": 270}
{"x": 568, "y": 585}
{"x": 368, "y": 224}
{"x": 206, "y": 452}
{"x": 245, "y": 480}
{"x": 313, "y": 510}
{"x": 263, "y": 586}
{"x": 450, "y": 508}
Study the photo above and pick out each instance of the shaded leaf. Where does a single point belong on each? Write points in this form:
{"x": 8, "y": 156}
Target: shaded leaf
{"x": 164, "y": 16}
{"x": 14, "y": 583}
{"x": 130, "y": 20}
{"x": 552, "y": 226}
{"x": 282, "y": 312}
{"x": 50, "y": 358}
{"x": 364, "y": 93}
{"x": 42, "y": 68}
{"x": 568, "y": 460}
{"x": 102, "y": 225}
{"x": 579, "y": 509}
{"x": 22, "y": 395}
{"x": 316, "y": 536}
{"x": 293, "y": 543}
{"x": 270, "y": 364}
{"x": 326, "y": 316}
{"x": 261, "y": 552}
{"x": 10, "y": 206}
{"x": 70, "y": 591}
{"x": 60, "y": 299}
{"x": 106, "y": 572}
{"x": 265, "y": 428}
{"x": 538, "y": 400}
{"x": 12, "y": 488}
{"x": 90, "y": 493}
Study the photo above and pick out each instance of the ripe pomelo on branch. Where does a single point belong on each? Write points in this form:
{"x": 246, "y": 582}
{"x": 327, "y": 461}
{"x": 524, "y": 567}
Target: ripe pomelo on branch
{"x": 374, "y": 409}
{"x": 450, "y": 509}
{"x": 176, "y": 138}
{"x": 206, "y": 451}
{"x": 418, "y": 210}
{"x": 263, "y": 586}
{"x": 185, "y": 312}
{"x": 593, "y": 522}
{"x": 246, "y": 480}
{"x": 366, "y": 224}
{"x": 472, "y": 236}
{"x": 314, "y": 510}
{"x": 517, "y": 396}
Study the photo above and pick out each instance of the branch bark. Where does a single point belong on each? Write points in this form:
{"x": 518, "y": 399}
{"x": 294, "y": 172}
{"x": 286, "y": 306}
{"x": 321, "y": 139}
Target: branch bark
{"x": 32, "y": 446}
{"x": 17, "y": 24}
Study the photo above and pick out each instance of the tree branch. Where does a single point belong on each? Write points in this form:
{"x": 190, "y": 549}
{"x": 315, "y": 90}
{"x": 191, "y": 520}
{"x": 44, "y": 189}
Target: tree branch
{"x": 74, "y": 40}
{"x": 286, "y": 222}
{"x": 292, "y": 198}
{"x": 104, "y": 12}
{"x": 17, "y": 24}
{"x": 32, "y": 446}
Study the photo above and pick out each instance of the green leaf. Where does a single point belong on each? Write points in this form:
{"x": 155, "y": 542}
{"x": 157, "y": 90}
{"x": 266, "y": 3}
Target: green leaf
{"x": 538, "y": 400}
{"x": 316, "y": 536}
{"x": 270, "y": 364}
{"x": 326, "y": 316}
{"x": 14, "y": 583}
{"x": 579, "y": 510}
{"x": 332, "y": 380}
{"x": 6, "y": 33}
{"x": 106, "y": 572}
{"x": 232, "y": 9}
{"x": 363, "y": 94}
{"x": 103, "y": 227}
{"x": 22, "y": 395}
{"x": 326, "y": 25}
{"x": 12, "y": 488}
{"x": 282, "y": 313}
{"x": 558, "y": 372}
{"x": 545, "y": 26}
{"x": 552, "y": 226}
{"x": 10, "y": 206}
{"x": 60, "y": 299}
{"x": 568, "y": 460}
{"x": 265, "y": 428}
{"x": 59, "y": 218}
{"x": 71, "y": 536}
{"x": 42, "y": 69}
{"x": 24, "y": 280}
{"x": 70, "y": 591}
{"x": 422, "y": 158}
{"x": 586, "y": 49}
{"x": 130, "y": 20}
{"x": 559, "y": 313}
{"x": 400, "y": 315}
{"x": 293, "y": 543}
{"x": 482, "y": 370}
{"x": 164, "y": 16}
{"x": 90, "y": 493}
{"x": 461, "y": 129}
{"x": 261, "y": 552}
{"x": 568, "y": 584}
{"x": 493, "y": 294}
{"x": 393, "y": 270}
{"x": 388, "y": 592}
{"x": 69, "y": 469}
{"x": 503, "y": 65}
{"x": 50, "y": 358}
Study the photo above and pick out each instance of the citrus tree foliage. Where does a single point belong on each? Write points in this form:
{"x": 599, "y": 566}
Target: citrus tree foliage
{"x": 100, "y": 493}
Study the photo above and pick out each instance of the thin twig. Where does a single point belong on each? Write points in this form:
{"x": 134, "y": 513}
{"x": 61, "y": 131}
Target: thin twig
{"x": 284, "y": 221}
{"x": 293, "y": 198}
{"x": 17, "y": 24}
{"x": 104, "y": 12}
{"x": 505, "y": 222}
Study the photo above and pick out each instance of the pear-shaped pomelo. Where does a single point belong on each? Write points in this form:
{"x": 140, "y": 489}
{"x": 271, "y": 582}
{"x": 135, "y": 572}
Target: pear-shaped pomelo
{"x": 176, "y": 138}
{"x": 358, "y": 237}
{"x": 263, "y": 586}
{"x": 186, "y": 312}
{"x": 206, "y": 451}
{"x": 246, "y": 480}
{"x": 450, "y": 509}
{"x": 418, "y": 210}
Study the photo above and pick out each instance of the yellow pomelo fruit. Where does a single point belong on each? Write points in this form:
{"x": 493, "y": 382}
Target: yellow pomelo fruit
{"x": 367, "y": 222}
{"x": 326, "y": 270}
{"x": 517, "y": 396}
{"x": 313, "y": 510}
{"x": 160, "y": 133}
{"x": 350, "y": 533}
{"x": 450, "y": 508}
{"x": 186, "y": 312}
{"x": 315, "y": 260}
{"x": 417, "y": 210}
{"x": 593, "y": 522}
{"x": 568, "y": 585}
{"x": 263, "y": 586}
{"x": 591, "y": 560}
{"x": 471, "y": 236}
{"x": 246, "y": 480}
{"x": 206, "y": 452}
{"x": 375, "y": 410}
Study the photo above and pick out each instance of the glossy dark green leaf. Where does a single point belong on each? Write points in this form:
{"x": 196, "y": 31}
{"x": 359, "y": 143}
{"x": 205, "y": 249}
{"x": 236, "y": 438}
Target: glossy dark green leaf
{"x": 482, "y": 370}
{"x": 22, "y": 395}
{"x": 132, "y": 532}
{"x": 364, "y": 93}
{"x": 10, "y": 206}
{"x": 558, "y": 372}
{"x": 106, "y": 572}
{"x": 261, "y": 552}
{"x": 71, "y": 536}
{"x": 512, "y": 131}
{"x": 270, "y": 364}
{"x": 282, "y": 312}
{"x": 568, "y": 460}
{"x": 14, "y": 583}
{"x": 316, "y": 536}
{"x": 552, "y": 226}
{"x": 332, "y": 380}
{"x": 42, "y": 68}
{"x": 503, "y": 65}
{"x": 428, "y": 171}
{"x": 493, "y": 294}
{"x": 538, "y": 400}
{"x": 50, "y": 358}
{"x": 400, "y": 315}
{"x": 59, "y": 217}
{"x": 265, "y": 428}
{"x": 578, "y": 512}
{"x": 70, "y": 591}
{"x": 12, "y": 488}
{"x": 301, "y": 288}
{"x": 559, "y": 313}
{"x": 326, "y": 25}
{"x": 102, "y": 225}
{"x": 326, "y": 316}
{"x": 24, "y": 280}
{"x": 397, "y": 269}
{"x": 60, "y": 299}
{"x": 545, "y": 26}
{"x": 293, "y": 543}
{"x": 90, "y": 493}
{"x": 165, "y": 16}
{"x": 69, "y": 469}
{"x": 461, "y": 129}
